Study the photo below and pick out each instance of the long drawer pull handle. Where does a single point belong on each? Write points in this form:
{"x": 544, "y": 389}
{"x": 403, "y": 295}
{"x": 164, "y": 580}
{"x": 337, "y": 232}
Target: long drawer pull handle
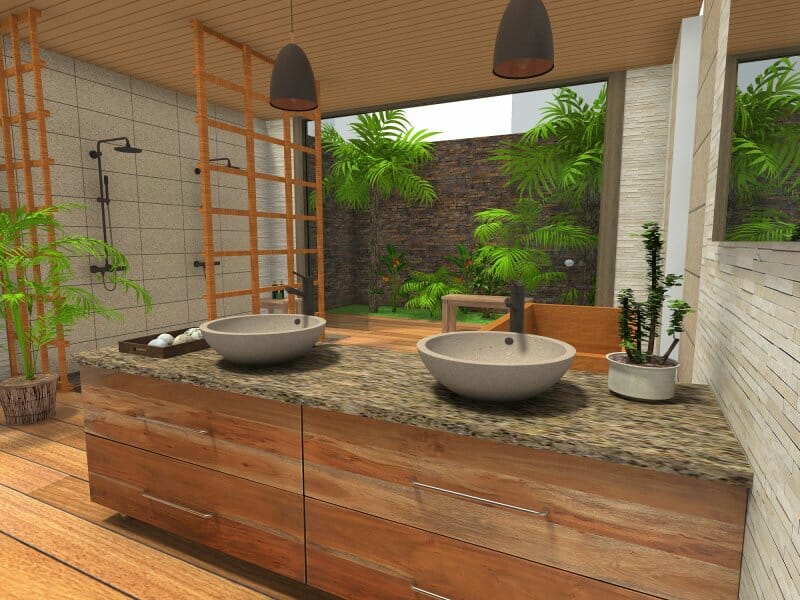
{"x": 427, "y": 593}
{"x": 530, "y": 511}
{"x": 196, "y": 513}
{"x": 172, "y": 425}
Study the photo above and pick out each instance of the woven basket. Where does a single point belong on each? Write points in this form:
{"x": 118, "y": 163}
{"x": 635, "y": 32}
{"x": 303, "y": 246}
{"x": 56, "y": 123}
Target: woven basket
{"x": 28, "y": 401}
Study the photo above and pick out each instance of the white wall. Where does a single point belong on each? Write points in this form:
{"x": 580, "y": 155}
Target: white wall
{"x": 644, "y": 154}
{"x": 679, "y": 164}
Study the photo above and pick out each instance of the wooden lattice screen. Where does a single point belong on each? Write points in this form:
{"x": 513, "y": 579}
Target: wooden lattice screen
{"x": 204, "y": 122}
{"x": 18, "y": 162}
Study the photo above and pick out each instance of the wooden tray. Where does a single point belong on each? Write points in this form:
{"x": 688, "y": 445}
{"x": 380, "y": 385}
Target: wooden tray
{"x": 139, "y": 346}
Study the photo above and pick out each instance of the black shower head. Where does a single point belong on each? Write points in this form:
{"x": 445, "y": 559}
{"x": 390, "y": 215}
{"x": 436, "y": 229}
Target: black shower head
{"x": 224, "y": 159}
{"x": 128, "y": 149}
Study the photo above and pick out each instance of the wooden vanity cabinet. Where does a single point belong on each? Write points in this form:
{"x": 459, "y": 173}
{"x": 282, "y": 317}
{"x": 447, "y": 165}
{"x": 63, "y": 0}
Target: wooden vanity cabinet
{"x": 654, "y": 533}
{"x": 215, "y": 467}
{"x": 364, "y": 508}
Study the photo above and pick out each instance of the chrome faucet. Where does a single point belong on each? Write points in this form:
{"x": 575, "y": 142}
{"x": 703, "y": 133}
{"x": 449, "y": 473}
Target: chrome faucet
{"x": 516, "y": 307}
{"x": 308, "y": 293}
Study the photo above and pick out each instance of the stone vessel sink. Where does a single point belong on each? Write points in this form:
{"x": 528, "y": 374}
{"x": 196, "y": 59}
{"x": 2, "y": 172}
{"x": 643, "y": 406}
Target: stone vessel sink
{"x": 495, "y": 365}
{"x": 263, "y": 339}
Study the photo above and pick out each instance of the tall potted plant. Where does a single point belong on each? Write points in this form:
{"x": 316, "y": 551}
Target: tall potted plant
{"x": 639, "y": 373}
{"x": 30, "y": 397}
{"x": 381, "y": 161}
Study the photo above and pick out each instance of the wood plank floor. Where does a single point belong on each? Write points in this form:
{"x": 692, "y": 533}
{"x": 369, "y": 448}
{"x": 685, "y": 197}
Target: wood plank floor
{"x": 56, "y": 543}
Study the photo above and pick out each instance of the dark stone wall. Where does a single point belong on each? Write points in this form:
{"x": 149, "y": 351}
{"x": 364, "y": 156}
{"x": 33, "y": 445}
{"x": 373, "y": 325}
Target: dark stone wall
{"x": 466, "y": 182}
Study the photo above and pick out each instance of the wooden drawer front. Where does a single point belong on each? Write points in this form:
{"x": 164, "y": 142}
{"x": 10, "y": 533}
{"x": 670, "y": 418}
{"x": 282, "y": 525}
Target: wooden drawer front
{"x": 248, "y": 520}
{"x": 265, "y": 447}
{"x": 657, "y": 533}
{"x": 358, "y": 556}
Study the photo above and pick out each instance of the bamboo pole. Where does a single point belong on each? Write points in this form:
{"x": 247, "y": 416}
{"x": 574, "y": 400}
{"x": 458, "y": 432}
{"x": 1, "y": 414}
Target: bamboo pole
{"x": 30, "y": 198}
{"x": 205, "y": 173}
{"x": 47, "y": 190}
{"x": 10, "y": 169}
{"x": 250, "y": 147}
{"x": 289, "y": 194}
{"x": 318, "y": 207}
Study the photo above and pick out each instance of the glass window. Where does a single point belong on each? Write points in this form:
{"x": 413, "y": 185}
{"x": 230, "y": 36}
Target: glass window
{"x": 764, "y": 186}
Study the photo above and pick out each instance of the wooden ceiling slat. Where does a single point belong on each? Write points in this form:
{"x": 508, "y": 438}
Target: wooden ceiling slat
{"x": 365, "y": 53}
{"x": 386, "y": 52}
{"x": 763, "y": 26}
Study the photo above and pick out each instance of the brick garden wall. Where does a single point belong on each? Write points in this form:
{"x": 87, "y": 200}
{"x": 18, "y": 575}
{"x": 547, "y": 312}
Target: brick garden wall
{"x": 466, "y": 182}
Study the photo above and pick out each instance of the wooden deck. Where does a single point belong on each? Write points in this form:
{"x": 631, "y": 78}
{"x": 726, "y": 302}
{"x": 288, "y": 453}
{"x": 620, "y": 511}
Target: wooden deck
{"x": 53, "y": 538}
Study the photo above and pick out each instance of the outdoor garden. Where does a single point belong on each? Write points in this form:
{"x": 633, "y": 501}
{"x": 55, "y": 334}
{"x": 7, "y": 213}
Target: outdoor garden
{"x": 533, "y": 217}
{"x": 763, "y": 201}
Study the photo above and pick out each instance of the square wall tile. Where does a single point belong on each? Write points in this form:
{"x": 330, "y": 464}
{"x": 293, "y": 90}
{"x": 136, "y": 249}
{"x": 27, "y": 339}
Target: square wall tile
{"x": 125, "y": 239}
{"x": 171, "y": 315}
{"x": 155, "y": 190}
{"x": 161, "y": 216}
{"x": 104, "y": 99}
{"x": 154, "y": 92}
{"x": 166, "y": 291}
{"x": 154, "y": 112}
{"x": 102, "y": 76}
{"x": 165, "y": 266}
{"x": 123, "y": 214}
{"x": 121, "y": 186}
{"x": 95, "y": 125}
{"x": 152, "y": 164}
{"x": 162, "y": 241}
{"x": 157, "y": 139}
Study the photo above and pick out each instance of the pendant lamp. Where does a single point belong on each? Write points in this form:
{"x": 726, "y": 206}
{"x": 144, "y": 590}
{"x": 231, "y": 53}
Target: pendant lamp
{"x": 524, "y": 44}
{"x": 292, "y": 86}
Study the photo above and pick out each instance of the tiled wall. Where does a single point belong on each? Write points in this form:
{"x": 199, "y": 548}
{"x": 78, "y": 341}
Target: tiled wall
{"x": 155, "y": 195}
{"x": 645, "y": 135}
{"x": 747, "y": 344}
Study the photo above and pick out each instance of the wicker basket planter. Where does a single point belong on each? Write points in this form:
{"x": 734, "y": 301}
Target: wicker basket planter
{"x": 27, "y": 401}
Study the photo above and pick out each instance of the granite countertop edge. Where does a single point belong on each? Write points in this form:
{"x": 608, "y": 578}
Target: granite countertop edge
{"x": 701, "y": 467}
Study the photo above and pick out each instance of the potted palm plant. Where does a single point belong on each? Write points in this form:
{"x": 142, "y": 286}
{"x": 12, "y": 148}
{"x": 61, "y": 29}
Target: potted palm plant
{"x": 639, "y": 373}
{"x": 30, "y": 397}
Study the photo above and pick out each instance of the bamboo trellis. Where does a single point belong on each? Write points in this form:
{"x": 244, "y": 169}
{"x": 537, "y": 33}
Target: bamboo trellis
{"x": 204, "y": 122}
{"x": 14, "y": 26}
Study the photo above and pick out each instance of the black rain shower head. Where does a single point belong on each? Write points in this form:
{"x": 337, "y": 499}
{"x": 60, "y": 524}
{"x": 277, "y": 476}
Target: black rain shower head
{"x": 128, "y": 149}
{"x": 224, "y": 159}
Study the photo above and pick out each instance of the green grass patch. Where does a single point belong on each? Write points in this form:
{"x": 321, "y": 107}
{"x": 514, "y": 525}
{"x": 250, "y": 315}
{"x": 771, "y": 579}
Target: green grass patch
{"x": 409, "y": 313}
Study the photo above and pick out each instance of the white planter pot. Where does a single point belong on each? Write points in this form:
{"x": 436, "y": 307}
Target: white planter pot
{"x": 637, "y": 382}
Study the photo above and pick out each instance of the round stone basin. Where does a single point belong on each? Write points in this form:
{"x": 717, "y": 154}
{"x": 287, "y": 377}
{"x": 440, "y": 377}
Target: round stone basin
{"x": 495, "y": 365}
{"x": 263, "y": 339}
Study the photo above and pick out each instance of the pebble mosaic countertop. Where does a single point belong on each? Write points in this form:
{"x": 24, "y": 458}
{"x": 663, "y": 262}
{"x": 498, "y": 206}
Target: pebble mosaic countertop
{"x": 689, "y": 435}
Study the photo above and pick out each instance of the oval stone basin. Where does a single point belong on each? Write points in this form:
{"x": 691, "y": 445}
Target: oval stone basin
{"x": 263, "y": 339}
{"x": 495, "y": 365}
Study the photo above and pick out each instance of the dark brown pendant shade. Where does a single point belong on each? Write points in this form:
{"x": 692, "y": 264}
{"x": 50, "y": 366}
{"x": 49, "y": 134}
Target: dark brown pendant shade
{"x": 292, "y": 86}
{"x": 524, "y": 45}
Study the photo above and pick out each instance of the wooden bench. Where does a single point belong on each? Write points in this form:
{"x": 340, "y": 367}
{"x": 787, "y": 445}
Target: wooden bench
{"x": 452, "y": 302}
{"x": 592, "y": 330}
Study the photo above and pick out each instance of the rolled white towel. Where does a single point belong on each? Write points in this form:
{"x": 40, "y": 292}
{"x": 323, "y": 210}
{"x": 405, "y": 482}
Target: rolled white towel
{"x": 182, "y": 339}
{"x": 158, "y": 343}
{"x": 167, "y": 338}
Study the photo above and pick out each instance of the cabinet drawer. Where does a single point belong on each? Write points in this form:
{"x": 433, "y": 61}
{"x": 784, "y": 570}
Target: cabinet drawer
{"x": 248, "y": 437}
{"x": 248, "y": 520}
{"x": 657, "y": 533}
{"x": 358, "y": 556}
